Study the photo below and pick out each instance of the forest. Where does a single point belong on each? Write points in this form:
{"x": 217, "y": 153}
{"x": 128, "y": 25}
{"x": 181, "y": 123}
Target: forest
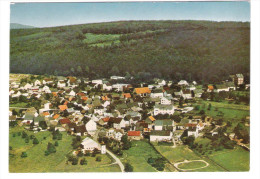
{"x": 204, "y": 51}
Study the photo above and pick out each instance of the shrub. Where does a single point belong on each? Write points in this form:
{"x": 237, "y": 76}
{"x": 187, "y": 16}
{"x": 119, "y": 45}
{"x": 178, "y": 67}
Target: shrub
{"x": 56, "y": 143}
{"x": 24, "y": 134}
{"x": 83, "y": 161}
{"x": 35, "y": 141}
{"x": 128, "y": 167}
{"x": 87, "y": 153}
{"x": 24, "y": 154}
{"x": 47, "y": 153}
{"x": 80, "y": 154}
{"x": 98, "y": 159}
{"x": 26, "y": 140}
{"x": 74, "y": 161}
{"x": 14, "y": 135}
{"x": 10, "y": 148}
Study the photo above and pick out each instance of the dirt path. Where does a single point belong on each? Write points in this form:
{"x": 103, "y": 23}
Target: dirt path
{"x": 189, "y": 161}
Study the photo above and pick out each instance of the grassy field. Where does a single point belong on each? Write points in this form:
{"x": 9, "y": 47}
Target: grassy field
{"x": 177, "y": 154}
{"x": 233, "y": 160}
{"x": 231, "y": 112}
{"x": 19, "y": 105}
{"x": 138, "y": 154}
{"x": 56, "y": 162}
{"x": 100, "y": 38}
{"x": 192, "y": 165}
{"x": 105, "y": 165}
{"x": 181, "y": 153}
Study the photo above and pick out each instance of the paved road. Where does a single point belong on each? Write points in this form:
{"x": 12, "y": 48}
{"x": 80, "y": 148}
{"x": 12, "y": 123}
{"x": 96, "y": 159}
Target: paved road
{"x": 122, "y": 167}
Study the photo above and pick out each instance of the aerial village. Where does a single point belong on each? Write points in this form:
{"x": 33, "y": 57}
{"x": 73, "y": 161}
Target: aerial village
{"x": 102, "y": 110}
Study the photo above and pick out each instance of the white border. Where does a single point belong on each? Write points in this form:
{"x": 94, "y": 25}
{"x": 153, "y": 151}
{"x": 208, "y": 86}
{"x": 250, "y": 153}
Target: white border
{"x": 255, "y": 64}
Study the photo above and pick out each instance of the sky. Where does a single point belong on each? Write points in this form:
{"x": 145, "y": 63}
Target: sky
{"x": 58, "y": 14}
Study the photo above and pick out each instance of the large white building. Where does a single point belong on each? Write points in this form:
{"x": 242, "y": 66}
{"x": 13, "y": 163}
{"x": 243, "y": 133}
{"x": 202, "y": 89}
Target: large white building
{"x": 163, "y": 109}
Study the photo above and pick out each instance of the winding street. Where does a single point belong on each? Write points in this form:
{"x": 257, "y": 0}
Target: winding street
{"x": 122, "y": 167}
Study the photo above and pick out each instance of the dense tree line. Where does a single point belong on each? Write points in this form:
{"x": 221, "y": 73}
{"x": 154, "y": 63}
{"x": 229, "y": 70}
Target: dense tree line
{"x": 192, "y": 50}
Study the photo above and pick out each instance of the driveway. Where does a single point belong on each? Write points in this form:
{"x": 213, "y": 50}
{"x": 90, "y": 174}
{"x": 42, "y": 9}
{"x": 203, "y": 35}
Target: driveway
{"x": 122, "y": 167}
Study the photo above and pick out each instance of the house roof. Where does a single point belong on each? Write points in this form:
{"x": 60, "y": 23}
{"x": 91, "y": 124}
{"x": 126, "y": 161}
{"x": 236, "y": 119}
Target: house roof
{"x": 126, "y": 95}
{"x": 190, "y": 125}
{"x": 239, "y": 75}
{"x": 56, "y": 116}
{"x": 63, "y": 107}
{"x": 106, "y": 119}
{"x": 84, "y": 98}
{"x": 210, "y": 87}
{"x": 134, "y": 133}
{"x": 115, "y": 120}
{"x": 80, "y": 129}
{"x": 105, "y": 98}
{"x": 28, "y": 116}
{"x": 186, "y": 91}
{"x": 38, "y": 119}
{"x": 72, "y": 125}
{"x": 12, "y": 118}
{"x": 160, "y": 133}
{"x": 46, "y": 113}
{"x": 65, "y": 121}
{"x": 151, "y": 118}
{"x": 142, "y": 90}
{"x": 163, "y": 123}
{"x": 164, "y": 107}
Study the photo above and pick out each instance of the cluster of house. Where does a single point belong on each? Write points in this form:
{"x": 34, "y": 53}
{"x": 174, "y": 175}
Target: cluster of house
{"x": 119, "y": 108}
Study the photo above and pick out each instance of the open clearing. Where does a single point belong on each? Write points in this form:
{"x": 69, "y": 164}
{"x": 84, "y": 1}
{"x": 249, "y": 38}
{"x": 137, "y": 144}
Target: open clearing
{"x": 138, "y": 155}
{"x": 233, "y": 160}
{"x": 56, "y": 162}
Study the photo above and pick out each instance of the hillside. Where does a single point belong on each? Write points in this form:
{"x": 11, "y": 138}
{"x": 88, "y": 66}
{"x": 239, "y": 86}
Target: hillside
{"x": 191, "y": 50}
{"x": 20, "y": 26}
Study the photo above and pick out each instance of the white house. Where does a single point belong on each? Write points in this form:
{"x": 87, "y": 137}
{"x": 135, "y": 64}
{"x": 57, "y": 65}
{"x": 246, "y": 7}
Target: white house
{"x": 27, "y": 86}
{"x": 117, "y": 78}
{"x": 161, "y": 82}
{"x": 164, "y": 125}
{"x": 115, "y": 133}
{"x": 119, "y": 87}
{"x": 45, "y": 88}
{"x": 193, "y": 131}
{"x": 165, "y": 100}
{"x": 97, "y": 82}
{"x": 37, "y": 83}
{"x": 163, "y": 109}
{"x": 156, "y": 136}
{"x": 157, "y": 93}
{"x": 107, "y": 87}
{"x": 91, "y": 127}
{"x": 61, "y": 84}
{"x": 72, "y": 93}
{"x": 183, "y": 83}
{"x": 186, "y": 94}
{"x": 89, "y": 145}
{"x": 99, "y": 110}
{"x": 47, "y": 81}
{"x": 118, "y": 123}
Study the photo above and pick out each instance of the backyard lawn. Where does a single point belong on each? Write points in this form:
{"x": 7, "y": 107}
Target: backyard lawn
{"x": 138, "y": 155}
